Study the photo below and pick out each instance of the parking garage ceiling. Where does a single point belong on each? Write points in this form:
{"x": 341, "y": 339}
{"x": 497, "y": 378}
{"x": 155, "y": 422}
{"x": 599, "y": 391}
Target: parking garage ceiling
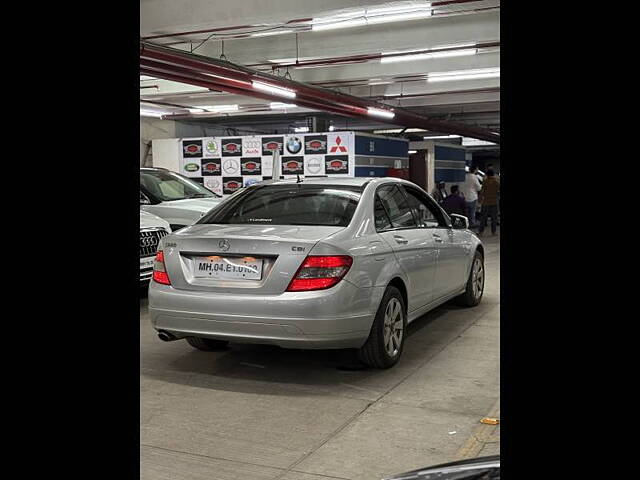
{"x": 438, "y": 59}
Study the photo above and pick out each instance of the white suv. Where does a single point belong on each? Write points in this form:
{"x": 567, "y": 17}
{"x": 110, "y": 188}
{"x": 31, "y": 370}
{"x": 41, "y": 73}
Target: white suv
{"x": 152, "y": 229}
{"x": 177, "y": 199}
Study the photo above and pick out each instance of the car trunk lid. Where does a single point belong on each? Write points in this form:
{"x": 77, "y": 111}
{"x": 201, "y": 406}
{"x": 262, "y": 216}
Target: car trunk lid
{"x": 224, "y": 258}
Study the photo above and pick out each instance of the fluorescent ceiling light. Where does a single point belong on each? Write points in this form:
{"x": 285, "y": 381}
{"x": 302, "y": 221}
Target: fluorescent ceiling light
{"x": 380, "y": 113}
{"x": 454, "y": 53}
{"x": 473, "y": 76}
{"x": 218, "y": 108}
{"x": 371, "y": 16}
{"x": 398, "y": 17}
{"x": 316, "y": 27}
{"x": 280, "y": 105}
{"x": 434, "y": 137}
{"x": 391, "y": 58}
{"x": 388, "y": 82}
{"x": 275, "y": 32}
{"x": 455, "y": 45}
{"x": 472, "y": 142}
{"x": 399, "y": 9}
{"x": 464, "y": 75}
{"x": 265, "y": 87}
{"x": 399, "y": 130}
{"x": 413, "y": 151}
{"x": 153, "y": 113}
{"x": 301, "y": 129}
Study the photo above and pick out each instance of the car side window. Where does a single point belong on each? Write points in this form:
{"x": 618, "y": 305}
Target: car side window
{"x": 396, "y": 206}
{"x": 429, "y": 216}
{"x": 381, "y": 217}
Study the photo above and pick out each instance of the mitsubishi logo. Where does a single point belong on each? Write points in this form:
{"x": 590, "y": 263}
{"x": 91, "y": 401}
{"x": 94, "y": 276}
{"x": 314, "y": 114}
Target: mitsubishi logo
{"x": 224, "y": 245}
{"x": 338, "y": 147}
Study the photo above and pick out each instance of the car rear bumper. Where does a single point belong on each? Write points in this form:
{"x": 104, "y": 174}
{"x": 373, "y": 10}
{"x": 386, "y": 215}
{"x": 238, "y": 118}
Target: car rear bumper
{"x": 339, "y": 317}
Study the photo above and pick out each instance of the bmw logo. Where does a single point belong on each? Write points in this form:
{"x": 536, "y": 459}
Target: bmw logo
{"x": 294, "y": 145}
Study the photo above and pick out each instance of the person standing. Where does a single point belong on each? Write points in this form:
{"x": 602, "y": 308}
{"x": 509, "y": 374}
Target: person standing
{"x": 439, "y": 193}
{"x": 489, "y": 199}
{"x": 470, "y": 189}
{"x": 454, "y": 203}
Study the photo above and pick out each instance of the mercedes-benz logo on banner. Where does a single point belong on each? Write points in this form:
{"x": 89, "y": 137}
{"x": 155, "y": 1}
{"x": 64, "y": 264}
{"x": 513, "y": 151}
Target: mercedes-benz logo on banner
{"x": 231, "y": 166}
{"x": 224, "y": 245}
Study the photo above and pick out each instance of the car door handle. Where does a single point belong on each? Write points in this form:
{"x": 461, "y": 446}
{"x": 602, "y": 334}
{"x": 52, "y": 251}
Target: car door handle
{"x": 400, "y": 239}
{"x": 437, "y": 238}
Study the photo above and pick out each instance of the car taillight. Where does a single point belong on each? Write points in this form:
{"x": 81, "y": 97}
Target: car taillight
{"x": 159, "y": 271}
{"x": 319, "y": 272}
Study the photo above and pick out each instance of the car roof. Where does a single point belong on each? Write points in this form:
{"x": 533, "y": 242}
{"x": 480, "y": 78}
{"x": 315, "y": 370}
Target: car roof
{"x": 346, "y": 181}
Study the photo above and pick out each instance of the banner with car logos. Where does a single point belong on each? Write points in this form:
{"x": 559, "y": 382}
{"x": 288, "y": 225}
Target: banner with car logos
{"x": 225, "y": 164}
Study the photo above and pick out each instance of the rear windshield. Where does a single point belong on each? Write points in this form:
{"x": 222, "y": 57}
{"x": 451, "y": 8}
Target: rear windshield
{"x": 296, "y": 204}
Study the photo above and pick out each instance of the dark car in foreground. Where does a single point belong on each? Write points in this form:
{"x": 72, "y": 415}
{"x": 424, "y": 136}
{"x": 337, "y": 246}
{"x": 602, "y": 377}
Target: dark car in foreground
{"x": 481, "y": 468}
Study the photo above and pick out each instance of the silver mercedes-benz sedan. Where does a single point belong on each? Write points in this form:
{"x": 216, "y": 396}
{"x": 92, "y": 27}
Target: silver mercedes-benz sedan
{"x": 322, "y": 263}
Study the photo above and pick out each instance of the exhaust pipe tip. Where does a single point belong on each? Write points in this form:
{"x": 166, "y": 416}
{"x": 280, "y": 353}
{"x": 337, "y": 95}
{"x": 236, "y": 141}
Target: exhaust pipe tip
{"x": 166, "y": 336}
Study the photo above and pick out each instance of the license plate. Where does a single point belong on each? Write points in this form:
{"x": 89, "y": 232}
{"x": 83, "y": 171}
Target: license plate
{"x": 244, "y": 268}
{"x": 146, "y": 262}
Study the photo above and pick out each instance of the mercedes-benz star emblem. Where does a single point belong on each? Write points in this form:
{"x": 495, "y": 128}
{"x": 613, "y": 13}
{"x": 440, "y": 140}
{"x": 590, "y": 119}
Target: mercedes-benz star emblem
{"x": 224, "y": 245}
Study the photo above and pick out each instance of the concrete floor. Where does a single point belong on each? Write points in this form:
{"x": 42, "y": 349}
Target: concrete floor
{"x": 258, "y": 412}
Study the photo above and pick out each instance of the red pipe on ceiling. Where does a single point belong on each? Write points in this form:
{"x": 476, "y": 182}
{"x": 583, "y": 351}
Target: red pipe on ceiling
{"x": 224, "y": 72}
{"x": 216, "y": 74}
{"x": 181, "y": 75}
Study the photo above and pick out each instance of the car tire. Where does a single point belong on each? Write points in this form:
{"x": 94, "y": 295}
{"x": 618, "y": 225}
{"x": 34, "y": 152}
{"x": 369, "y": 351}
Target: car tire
{"x": 475, "y": 283}
{"x": 389, "y": 323}
{"x": 207, "y": 344}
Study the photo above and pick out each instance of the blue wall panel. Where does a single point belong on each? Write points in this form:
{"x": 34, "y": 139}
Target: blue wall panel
{"x": 449, "y": 175}
{"x": 382, "y": 147}
{"x": 449, "y": 153}
{"x": 371, "y": 171}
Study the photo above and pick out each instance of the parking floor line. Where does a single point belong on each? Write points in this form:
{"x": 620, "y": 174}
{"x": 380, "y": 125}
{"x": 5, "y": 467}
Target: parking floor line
{"x": 480, "y": 437}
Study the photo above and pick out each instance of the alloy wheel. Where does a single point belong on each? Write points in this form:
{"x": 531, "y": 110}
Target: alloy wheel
{"x": 393, "y": 327}
{"x": 477, "y": 278}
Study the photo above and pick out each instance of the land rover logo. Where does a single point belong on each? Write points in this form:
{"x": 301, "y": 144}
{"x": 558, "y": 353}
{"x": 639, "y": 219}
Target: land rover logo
{"x": 224, "y": 245}
{"x": 192, "y": 167}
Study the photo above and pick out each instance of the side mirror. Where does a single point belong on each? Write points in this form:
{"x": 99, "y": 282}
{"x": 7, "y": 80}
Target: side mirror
{"x": 459, "y": 221}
